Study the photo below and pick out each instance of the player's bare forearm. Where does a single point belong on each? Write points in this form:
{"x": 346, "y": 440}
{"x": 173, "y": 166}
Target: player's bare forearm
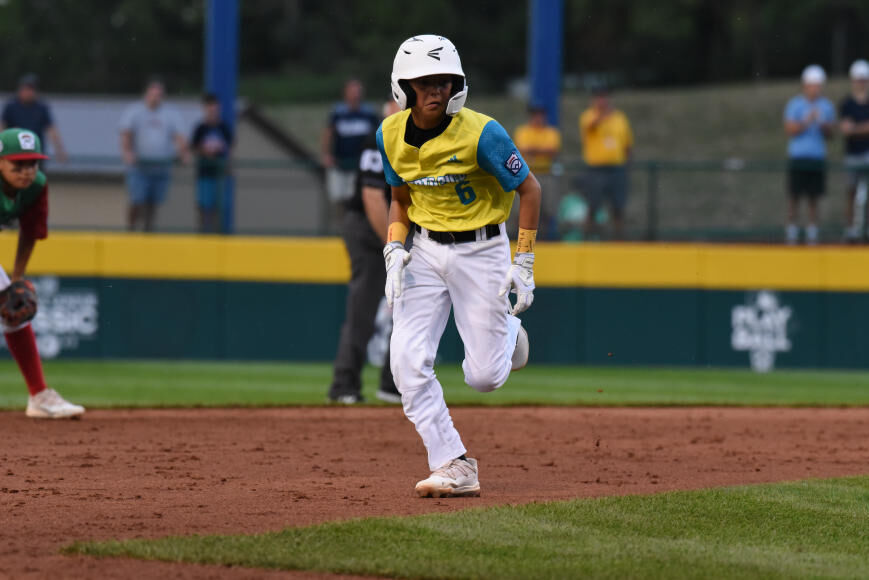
{"x": 22, "y": 256}
{"x": 530, "y": 198}
{"x": 376, "y": 210}
{"x": 399, "y": 205}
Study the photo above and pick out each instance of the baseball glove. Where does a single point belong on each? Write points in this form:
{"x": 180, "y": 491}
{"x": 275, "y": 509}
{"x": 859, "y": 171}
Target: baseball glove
{"x": 18, "y": 303}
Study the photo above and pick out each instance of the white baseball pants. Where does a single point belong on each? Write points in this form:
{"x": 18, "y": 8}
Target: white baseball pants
{"x": 467, "y": 277}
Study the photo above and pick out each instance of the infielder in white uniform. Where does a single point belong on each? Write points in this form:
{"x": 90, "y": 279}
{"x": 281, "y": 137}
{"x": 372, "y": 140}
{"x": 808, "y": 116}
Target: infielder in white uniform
{"x": 453, "y": 173}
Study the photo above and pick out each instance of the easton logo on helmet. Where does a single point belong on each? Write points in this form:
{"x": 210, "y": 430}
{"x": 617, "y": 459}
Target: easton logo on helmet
{"x": 434, "y": 53}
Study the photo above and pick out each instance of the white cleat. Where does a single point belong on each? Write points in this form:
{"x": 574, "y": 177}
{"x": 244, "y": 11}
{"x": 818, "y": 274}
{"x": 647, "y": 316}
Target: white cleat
{"x": 48, "y": 404}
{"x": 520, "y": 353}
{"x": 458, "y": 478}
{"x": 388, "y": 397}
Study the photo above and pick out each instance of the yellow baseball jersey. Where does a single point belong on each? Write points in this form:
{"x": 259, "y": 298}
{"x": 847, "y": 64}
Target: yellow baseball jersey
{"x": 463, "y": 179}
{"x": 608, "y": 142}
{"x": 531, "y": 137}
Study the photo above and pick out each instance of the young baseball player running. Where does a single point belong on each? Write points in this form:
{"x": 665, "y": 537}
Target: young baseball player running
{"x": 25, "y": 198}
{"x": 453, "y": 174}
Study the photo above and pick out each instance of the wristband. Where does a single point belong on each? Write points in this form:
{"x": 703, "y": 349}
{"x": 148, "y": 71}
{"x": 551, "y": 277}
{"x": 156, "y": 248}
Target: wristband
{"x": 397, "y": 232}
{"x": 525, "y": 241}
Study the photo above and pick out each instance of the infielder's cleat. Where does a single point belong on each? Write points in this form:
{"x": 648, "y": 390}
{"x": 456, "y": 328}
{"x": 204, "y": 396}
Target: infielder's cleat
{"x": 347, "y": 399}
{"x": 458, "y": 478}
{"x": 520, "y": 353}
{"x": 48, "y": 404}
{"x": 388, "y": 396}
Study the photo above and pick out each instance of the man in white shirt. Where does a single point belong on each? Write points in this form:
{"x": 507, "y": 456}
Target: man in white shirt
{"x": 152, "y": 135}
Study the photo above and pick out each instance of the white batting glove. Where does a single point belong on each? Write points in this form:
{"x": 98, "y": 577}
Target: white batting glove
{"x": 520, "y": 279}
{"x": 396, "y": 258}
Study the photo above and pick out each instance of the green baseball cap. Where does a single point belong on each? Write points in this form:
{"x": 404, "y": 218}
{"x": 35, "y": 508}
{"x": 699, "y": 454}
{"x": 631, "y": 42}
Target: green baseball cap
{"x": 20, "y": 144}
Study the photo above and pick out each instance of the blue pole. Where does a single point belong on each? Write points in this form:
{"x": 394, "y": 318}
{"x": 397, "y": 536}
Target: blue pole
{"x": 221, "y": 78}
{"x": 545, "y": 39}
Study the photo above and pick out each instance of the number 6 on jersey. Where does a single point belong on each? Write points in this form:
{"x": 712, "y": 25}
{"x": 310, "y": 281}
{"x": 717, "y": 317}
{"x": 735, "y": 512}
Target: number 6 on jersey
{"x": 465, "y": 192}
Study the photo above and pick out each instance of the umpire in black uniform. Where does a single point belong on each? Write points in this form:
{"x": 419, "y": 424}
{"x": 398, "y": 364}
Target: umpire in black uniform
{"x": 364, "y": 232}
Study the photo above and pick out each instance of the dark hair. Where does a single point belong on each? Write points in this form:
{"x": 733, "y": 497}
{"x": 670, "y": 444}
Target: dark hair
{"x": 29, "y": 80}
{"x": 210, "y": 99}
{"x": 155, "y": 80}
{"x": 536, "y": 108}
{"x": 600, "y": 89}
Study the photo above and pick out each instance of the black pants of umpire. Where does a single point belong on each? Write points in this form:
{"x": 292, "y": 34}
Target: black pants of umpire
{"x": 367, "y": 282}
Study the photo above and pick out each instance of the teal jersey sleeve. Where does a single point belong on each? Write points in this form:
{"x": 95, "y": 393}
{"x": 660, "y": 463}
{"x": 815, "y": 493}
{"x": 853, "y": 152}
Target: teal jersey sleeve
{"x": 496, "y": 154}
{"x": 392, "y": 177}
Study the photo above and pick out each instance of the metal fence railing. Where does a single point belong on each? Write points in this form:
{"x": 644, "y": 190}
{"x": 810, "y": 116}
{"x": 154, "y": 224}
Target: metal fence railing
{"x": 725, "y": 200}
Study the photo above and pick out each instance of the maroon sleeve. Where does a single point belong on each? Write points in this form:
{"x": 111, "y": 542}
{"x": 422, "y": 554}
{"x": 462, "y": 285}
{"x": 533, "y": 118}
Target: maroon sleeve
{"x": 34, "y": 221}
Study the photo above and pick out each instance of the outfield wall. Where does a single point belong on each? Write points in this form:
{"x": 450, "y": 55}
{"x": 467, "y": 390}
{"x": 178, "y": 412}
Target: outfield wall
{"x": 209, "y": 297}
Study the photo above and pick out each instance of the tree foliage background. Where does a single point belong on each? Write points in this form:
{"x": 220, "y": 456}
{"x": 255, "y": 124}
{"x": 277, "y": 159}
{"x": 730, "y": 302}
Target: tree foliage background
{"x": 303, "y": 49}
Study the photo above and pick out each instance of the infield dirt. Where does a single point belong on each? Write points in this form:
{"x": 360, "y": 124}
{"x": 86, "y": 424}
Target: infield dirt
{"x": 151, "y": 473}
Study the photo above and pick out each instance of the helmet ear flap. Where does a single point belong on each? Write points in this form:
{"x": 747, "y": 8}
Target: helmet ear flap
{"x": 458, "y": 85}
{"x": 410, "y": 94}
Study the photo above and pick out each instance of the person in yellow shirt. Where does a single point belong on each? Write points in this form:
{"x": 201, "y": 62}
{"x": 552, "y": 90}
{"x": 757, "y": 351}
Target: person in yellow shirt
{"x": 607, "y": 140}
{"x": 540, "y": 143}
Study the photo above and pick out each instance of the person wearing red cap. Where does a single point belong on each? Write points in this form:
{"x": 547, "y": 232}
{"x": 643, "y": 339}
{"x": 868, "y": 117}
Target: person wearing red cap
{"x": 25, "y": 198}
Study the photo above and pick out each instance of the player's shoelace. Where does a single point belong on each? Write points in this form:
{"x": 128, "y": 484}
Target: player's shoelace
{"x": 455, "y": 469}
{"x": 52, "y": 399}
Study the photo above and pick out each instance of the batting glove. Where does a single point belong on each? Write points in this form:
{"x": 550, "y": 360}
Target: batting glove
{"x": 520, "y": 279}
{"x": 396, "y": 258}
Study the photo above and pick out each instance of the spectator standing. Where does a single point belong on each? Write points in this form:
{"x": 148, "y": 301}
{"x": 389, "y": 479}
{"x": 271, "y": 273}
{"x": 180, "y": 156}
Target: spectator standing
{"x": 212, "y": 143}
{"x": 364, "y": 232}
{"x": 540, "y": 143}
{"x": 26, "y": 111}
{"x": 607, "y": 140}
{"x": 854, "y": 124}
{"x": 808, "y": 121}
{"x": 151, "y": 136}
{"x": 350, "y": 123}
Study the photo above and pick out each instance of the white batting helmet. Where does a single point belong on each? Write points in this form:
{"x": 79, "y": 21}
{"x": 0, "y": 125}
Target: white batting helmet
{"x": 424, "y": 55}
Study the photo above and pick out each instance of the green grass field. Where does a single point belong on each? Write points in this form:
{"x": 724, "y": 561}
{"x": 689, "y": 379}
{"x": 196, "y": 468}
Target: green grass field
{"x": 809, "y": 529}
{"x": 173, "y": 384}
